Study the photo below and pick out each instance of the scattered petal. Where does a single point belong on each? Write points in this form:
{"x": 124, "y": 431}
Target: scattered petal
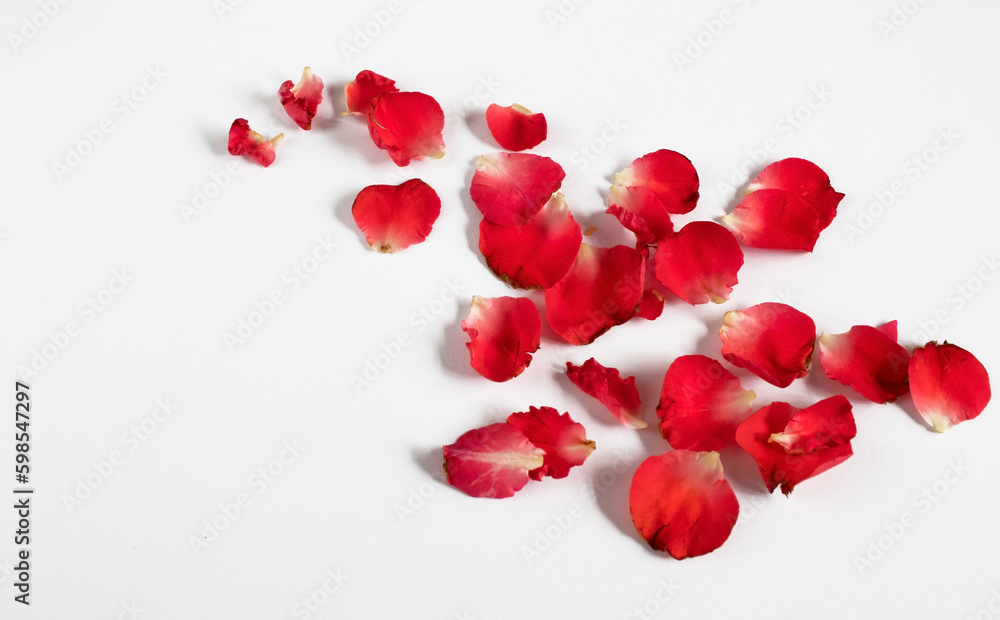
{"x": 245, "y": 141}
{"x": 302, "y": 100}
{"x": 774, "y": 341}
{"x": 949, "y": 385}
{"x": 700, "y": 263}
{"x": 503, "y": 333}
{"x": 639, "y": 210}
{"x": 774, "y": 219}
{"x": 407, "y": 125}
{"x": 669, "y": 175}
{"x": 492, "y": 461}
{"x": 394, "y": 217}
{"x": 651, "y": 304}
{"x": 510, "y": 188}
{"x": 515, "y": 128}
{"x": 563, "y": 441}
{"x": 803, "y": 179}
{"x": 365, "y": 87}
{"x": 868, "y": 360}
{"x": 619, "y": 395}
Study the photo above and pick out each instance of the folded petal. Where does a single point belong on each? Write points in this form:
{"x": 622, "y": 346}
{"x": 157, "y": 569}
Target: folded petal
{"x": 302, "y": 100}
{"x": 681, "y": 503}
{"x": 394, "y": 217}
{"x": 619, "y": 395}
{"x": 492, "y": 461}
{"x": 669, "y": 175}
{"x": 245, "y": 141}
{"x": 774, "y": 219}
{"x": 537, "y": 254}
{"x": 563, "y": 441}
{"x": 700, "y": 263}
{"x": 365, "y": 87}
{"x": 510, "y": 188}
{"x": 407, "y": 125}
{"x": 772, "y": 340}
{"x": 515, "y": 128}
{"x": 803, "y": 179}
{"x": 791, "y": 445}
{"x": 868, "y": 360}
{"x": 701, "y": 404}
{"x": 948, "y": 384}
{"x": 602, "y": 289}
{"x": 639, "y": 210}
{"x": 503, "y": 333}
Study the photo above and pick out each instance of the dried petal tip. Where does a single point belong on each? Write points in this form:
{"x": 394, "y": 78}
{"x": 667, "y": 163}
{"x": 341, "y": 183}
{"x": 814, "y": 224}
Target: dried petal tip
{"x": 365, "y": 87}
{"x": 948, "y": 384}
{"x": 563, "y": 441}
{"x": 492, "y": 461}
{"x": 245, "y": 141}
{"x": 619, "y": 395}
{"x": 515, "y": 128}
{"x": 407, "y": 125}
{"x": 503, "y": 333}
{"x": 774, "y": 341}
{"x": 302, "y": 100}
{"x": 394, "y": 217}
{"x": 868, "y": 360}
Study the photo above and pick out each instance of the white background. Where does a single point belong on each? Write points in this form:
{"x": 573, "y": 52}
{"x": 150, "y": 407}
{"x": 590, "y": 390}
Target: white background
{"x": 337, "y": 505}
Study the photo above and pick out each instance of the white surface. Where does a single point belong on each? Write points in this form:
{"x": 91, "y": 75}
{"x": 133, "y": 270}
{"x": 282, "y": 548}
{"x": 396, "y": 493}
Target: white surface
{"x": 335, "y": 507}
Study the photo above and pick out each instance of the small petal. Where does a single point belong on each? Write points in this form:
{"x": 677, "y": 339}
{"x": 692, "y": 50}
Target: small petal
{"x": 245, "y": 141}
{"x": 492, "y": 461}
{"x": 669, "y": 175}
{"x": 394, "y": 217}
{"x": 515, "y": 128}
{"x": 803, "y": 179}
{"x": 619, "y": 395}
{"x": 774, "y": 219}
{"x": 302, "y": 100}
{"x": 503, "y": 333}
{"x": 700, "y": 263}
{"x": 639, "y": 210}
{"x": 868, "y": 360}
{"x": 651, "y": 304}
{"x": 949, "y": 385}
{"x": 365, "y": 87}
{"x": 510, "y": 188}
{"x": 407, "y": 125}
{"x": 563, "y": 441}
{"x": 681, "y": 503}
{"x": 774, "y": 341}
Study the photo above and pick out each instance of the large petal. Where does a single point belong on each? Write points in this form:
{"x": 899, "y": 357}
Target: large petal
{"x": 772, "y": 340}
{"x": 774, "y": 219}
{"x": 619, "y": 395}
{"x": 700, "y": 263}
{"x": 407, "y": 125}
{"x": 563, "y": 441}
{"x": 245, "y": 141}
{"x": 302, "y": 100}
{"x": 510, "y": 188}
{"x": 868, "y": 360}
{"x": 503, "y": 333}
{"x": 803, "y": 179}
{"x": 639, "y": 210}
{"x": 515, "y": 128}
{"x": 948, "y": 384}
{"x": 366, "y": 86}
{"x": 669, "y": 175}
{"x": 394, "y": 217}
{"x": 492, "y": 461}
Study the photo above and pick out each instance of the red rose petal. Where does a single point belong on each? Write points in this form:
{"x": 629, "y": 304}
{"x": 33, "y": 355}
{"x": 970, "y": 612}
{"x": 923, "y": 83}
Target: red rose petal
{"x": 365, "y": 87}
{"x": 774, "y": 341}
{"x": 700, "y": 263}
{"x": 537, "y": 254}
{"x": 669, "y": 175}
{"x": 563, "y": 441}
{"x": 492, "y": 461}
{"x": 639, "y": 210}
{"x": 651, "y": 304}
{"x": 602, "y": 289}
{"x": 701, "y": 404}
{"x": 407, "y": 125}
{"x": 803, "y": 179}
{"x": 619, "y": 395}
{"x": 948, "y": 384}
{"x": 868, "y": 360}
{"x": 890, "y": 330}
{"x": 394, "y": 217}
{"x": 510, "y": 188}
{"x": 515, "y": 128}
{"x": 681, "y": 503}
{"x": 245, "y": 141}
{"x": 774, "y": 219}
{"x": 503, "y": 333}
{"x": 302, "y": 100}
{"x": 791, "y": 445}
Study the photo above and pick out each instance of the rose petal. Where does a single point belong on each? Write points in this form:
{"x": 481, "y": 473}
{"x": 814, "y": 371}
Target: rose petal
{"x": 302, "y": 100}
{"x": 639, "y": 210}
{"x": 503, "y": 333}
{"x": 365, "y": 87}
{"x": 619, "y": 395}
{"x": 602, "y": 289}
{"x": 515, "y": 128}
{"x": 669, "y": 175}
{"x": 791, "y": 445}
{"x": 774, "y": 341}
{"x": 394, "y": 217}
{"x": 407, "y": 125}
{"x": 701, "y": 404}
{"x": 700, "y": 263}
{"x": 868, "y": 360}
{"x": 681, "y": 503}
{"x": 510, "y": 188}
{"x": 651, "y": 304}
{"x": 563, "y": 441}
{"x": 537, "y": 254}
{"x": 774, "y": 219}
{"x": 890, "y": 330}
{"x": 948, "y": 384}
{"x": 803, "y": 179}
{"x": 492, "y": 461}
{"x": 245, "y": 141}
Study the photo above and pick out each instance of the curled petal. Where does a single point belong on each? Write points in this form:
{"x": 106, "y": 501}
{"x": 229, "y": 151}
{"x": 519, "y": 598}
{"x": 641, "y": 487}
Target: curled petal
{"x": 774, "y": 341}
{"x": 791, "y": 445}
{"x": 537, "y": 254}
{"x": 639, "y": 210}
{"x": 701, "y": 404}
{"x": 700, "y": 263}
{"x": 492, "y": 461}
{"x": 503, "y": 333}
{"x": 669, "y": 175}
{"x": 774, "y": 219}
{"x": 619, "y": 395}
{"x": 651, "y": 304}
{"x": 948, "y": 384}
{"x": 245, "y": 141}
{"x": 681, "y": 503}
{"x": 805, "y": 180}
{"x": 365, "y": 87}
{"x": 602, "y": 289}
{"x": 394, "y": 217}
{"x": 510, "y": 188}
{"x": 515, "y": 128}
{"x": 563, "y": 441}
{"x": 868, "y": 360}
{"x": 407, "y": 125}
{"x": 302, "y": 100}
